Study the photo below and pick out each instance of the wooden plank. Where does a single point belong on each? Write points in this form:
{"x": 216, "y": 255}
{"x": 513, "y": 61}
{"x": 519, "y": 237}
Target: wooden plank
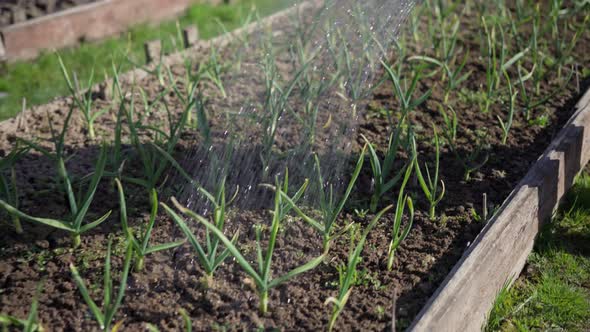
{"x": 90, "y": 22}
{"x": 190, "y": 36}
{"x": 2, "y": 49}
{"x": 499, "y": 253}
{"x": 153, "y": 51}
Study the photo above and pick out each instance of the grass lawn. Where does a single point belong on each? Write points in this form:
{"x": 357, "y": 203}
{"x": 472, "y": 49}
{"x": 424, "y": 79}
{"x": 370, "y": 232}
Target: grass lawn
{"x": 553, "y": 294}
{"x": 41, "y": 80}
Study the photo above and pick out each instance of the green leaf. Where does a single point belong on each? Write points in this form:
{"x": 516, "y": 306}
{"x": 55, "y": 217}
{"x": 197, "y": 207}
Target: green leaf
{"x": 110, "y": 313}
{"x": 98, "y": 171}
{"x": 241, "y": 260}
{"x": 297, "y": 271}
{"x": 165, "y": 246}
{"x": 192, "y": 239}
{"x": 301, "y": 214}
{"x": 354, "y": 177}
{"x": 95, "y": 223}
{"x": 176, "y": 165}
{"x": 48, "y": 222}
{"x": 86, "y": 296}
{"x": 187, "y": 320}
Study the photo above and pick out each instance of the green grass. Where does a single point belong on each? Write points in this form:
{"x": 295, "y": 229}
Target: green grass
{"x": 41, "y": 80}
{"x": 555, "y": 293}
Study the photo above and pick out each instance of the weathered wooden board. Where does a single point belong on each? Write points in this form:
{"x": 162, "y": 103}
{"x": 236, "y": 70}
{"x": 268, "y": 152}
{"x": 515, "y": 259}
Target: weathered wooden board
{"x": 85, "y": 23}
{"x": 2, "y": 50}
{"x": 499, "y": 253}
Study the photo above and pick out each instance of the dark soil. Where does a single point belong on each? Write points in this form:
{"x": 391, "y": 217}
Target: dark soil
{"x": 16, "y": 11}
{"x": 172, "y": 279}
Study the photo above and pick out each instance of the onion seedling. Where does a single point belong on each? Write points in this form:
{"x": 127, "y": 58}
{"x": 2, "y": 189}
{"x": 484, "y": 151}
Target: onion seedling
{"x": 454, "y": 78}
{"x": 141, "y": 245}
{"x": 111, "y": 300}
{"x": 312, "y": 90}
{"x": 382, "y": 179}
{"x": 330, "y": 209}
{"x": 191, "y": 82}
{"x": 156, "y": 159}
{"x": 276, "y": 100}
{"x": 564, "y": 47}
{"x": 210, "y": 255}
{"x": 506, "y": 125}
{"x": 213, "y": 70}
{"x": 397, "y": 233}
{"x": 83, "y": 99}
{"x": 405, "y": 94}
{"x": 450, "y": 124}
{"x": 73, "y": 223}
{"x": 116, "y": 155}
{"x": 471, "y": 161}
{"x": 348, "y": 274}
{"x": 497, "y": 63}
{"x": 429, "y": 184}
{"x": 350, "y": 69}
{"x": 261, "y": 273}
{"x": 8, "y": 186}
{"x": 527, "y": 98}
{"x": 288, "y": 202}
{"x": 156, "y": 70}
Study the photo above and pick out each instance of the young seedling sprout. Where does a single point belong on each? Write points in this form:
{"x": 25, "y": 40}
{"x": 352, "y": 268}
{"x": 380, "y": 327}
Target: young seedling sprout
{"x": 330, "y": 208}
{"x": 156, "y": 157}
{"x": 83, "y": 99}
{"x": 506, "y": 125}
{"x": 8, "y": 185}
{"x": 454, "y": 77}
{"x": 276, "y": 102}
{"x": 398, "y": 235}
{"x": 213, "y": 70}
{"x": 382, "y": 171}
{"x": 450, "y": 124}
{"x": 261, "y": 273}
{"x": 405, "y": 94}
{"x": 497, "y": 62}
{"x": 74, "y": 222}
{"x": 210, "y": 255}
{"x": 348, "y": 273}
{"x": 471, "y": 161}
{"x": 111, "y": 300}
{"x": 141, "y": 245}
{"x": 429, "y": 184}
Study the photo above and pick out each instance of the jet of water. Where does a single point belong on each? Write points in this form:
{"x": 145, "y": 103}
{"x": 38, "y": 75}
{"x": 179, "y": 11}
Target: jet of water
{"x": 291, "y": 100}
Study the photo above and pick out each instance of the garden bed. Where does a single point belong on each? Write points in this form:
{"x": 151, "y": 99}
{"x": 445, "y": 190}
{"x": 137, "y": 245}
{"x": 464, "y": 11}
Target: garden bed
{"x": 171, "y": 279}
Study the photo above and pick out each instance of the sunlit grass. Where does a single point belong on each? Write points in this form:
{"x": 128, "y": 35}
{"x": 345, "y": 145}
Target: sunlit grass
{"x": 556, "y": 292}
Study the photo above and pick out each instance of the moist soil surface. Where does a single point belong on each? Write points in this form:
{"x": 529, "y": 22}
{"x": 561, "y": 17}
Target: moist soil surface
{"x": 173, "y": 279}
{"x": 16, "y": 11}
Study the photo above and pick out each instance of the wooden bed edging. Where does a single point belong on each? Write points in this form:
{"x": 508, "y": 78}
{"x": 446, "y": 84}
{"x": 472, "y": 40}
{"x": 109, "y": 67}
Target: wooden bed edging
{"x": 498, "y": 254}
{"x": 93, "y": 21}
